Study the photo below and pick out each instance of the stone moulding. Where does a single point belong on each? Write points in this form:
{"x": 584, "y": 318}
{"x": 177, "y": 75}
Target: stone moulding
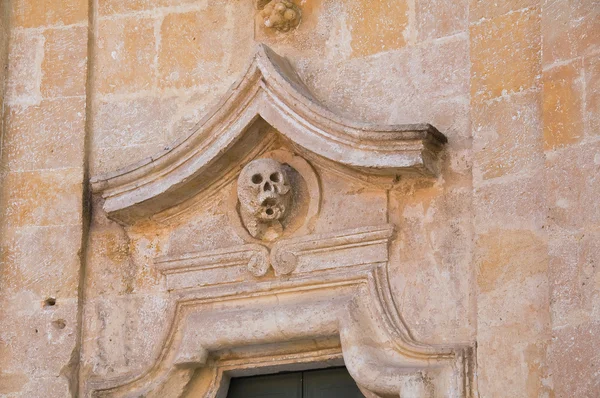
{"x": 299, "y": 255}
{"x": 315, "y": 316}
{"x": 271, "y": 93}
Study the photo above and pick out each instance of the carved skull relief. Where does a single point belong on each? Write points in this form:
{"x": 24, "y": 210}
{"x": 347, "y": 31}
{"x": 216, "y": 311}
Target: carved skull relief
{"x": 264, "y": 193}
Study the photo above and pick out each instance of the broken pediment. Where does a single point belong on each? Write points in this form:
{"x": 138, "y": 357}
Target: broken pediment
{"x": 268, "y": 231}
{"x": 269, "y": 95}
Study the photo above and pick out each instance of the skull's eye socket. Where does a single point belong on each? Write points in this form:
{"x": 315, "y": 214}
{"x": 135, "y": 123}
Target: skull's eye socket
{"x": 257, "y": 178}
{"x": 275, "y": 177}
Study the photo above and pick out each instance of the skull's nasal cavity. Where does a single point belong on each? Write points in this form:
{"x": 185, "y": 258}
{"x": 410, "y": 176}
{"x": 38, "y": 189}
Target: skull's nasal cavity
{"x": 267, "y": 187}
{"x": 269, "y": 202}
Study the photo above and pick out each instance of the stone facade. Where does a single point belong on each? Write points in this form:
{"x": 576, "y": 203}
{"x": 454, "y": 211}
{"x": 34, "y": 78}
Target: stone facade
{"x": 455, "y": 260}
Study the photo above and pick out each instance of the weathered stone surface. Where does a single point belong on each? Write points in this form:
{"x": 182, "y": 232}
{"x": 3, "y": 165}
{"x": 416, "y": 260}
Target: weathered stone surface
{"x": 42, "y": 198}
{"x": 592, "y": 95}
{"x": 37, "y": 13}
{"x": 64, "y": 68}
{"x": 507, "y": 136}
{"x": 573, "y": 354}
{"x": 505, "y": 54}
{"x": 126, "y": 55}
{"x": 45, "y": 136}
{"x": 436, "y": 19}
{"x": 25, "y": 68}
{"x": 498, "y": 249}
{"x": 569, "y": 29}
{"x": 563, "y": 105}
{"x": 200, "y": 61}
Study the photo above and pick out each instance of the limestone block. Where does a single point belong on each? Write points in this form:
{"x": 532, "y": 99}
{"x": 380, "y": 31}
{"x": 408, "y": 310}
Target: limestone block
{"x": 45, "y": 136}
{"x": 64, "y": 69}
{"x": 202, "y": 60}
{"x": 26, "y": 53}
{"x": 377, "y": 26}
{"x": 592, "y": 95}
{"x": 569, "y": 29}
{"x": 42, "y": 198}
{"x": 505, "y": 54}
{"x": 516, "y": 204}
{"x": 40, "y": 13}
{"x": 573, "y": 187}
{"x": 482, "y": 9}
{"x": 574, "y": 278}
{"x": 507, "y": 136}
{"x": 435, "y": 18}
{"x": 574, "y": 358}
{"x": 42, "y": 261}
{"x": 563, "y": 105}
{"x": 125, "y": 55}
{"x": 505, "y": 257}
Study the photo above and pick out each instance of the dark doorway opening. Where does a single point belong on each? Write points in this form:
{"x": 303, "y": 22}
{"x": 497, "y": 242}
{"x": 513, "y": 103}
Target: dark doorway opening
{"x": 324, "y": 383}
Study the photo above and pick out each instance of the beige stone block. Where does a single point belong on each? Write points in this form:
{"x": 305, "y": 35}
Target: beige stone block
{"x": 126, "y": 55}
{"x": 109, "y": 159}
{"x": 44, "y": 261}
{"x": 119, "y": 265}
{"x": 439, "y": 18}
{"x": 505, "y": 257}
{"x": 140, "y": 121}
{"x": 377, "y": 26}
{"x": 41, "y": 338}
{"x": 12, "y": 382}
{"x": 592, "y": 95}
{"x": 192, "y": 48}
{"x": 110, "y": 7}
{"x": 395, "y": 93}
{"x": 479, "y": 9}
{"x": 26, "y": 52}
{"x": 368, "y": 205}
{"x": 36, "y": 13}
{"x": 505, "y": 54}
{"x": 573, "y": 188}
{"x": 65, "y": 61}
{"x": 575, "y": 360}
{"x": 115, "y": 323}
{"x": 570, "y": 29}
{"x": 507, "y": 136}
{"x": 512, "y": 204}
{"x": 42, "y": 198}
{"x": 509, "y": 367}
{"x": 45, "y": 136}
{"x": 574, "y": 278}
{"x": 563, "y": 105}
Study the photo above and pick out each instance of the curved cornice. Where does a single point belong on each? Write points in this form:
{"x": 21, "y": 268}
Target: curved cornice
{"x": 269, "y": 93}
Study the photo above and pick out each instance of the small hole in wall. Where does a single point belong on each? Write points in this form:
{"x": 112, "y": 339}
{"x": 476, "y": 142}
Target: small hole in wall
{"x": 50, "y": 302}
{"x": 59, "y": 323}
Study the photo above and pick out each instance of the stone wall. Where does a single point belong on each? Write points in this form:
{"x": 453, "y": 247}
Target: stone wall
{"x": 501, "y": 249}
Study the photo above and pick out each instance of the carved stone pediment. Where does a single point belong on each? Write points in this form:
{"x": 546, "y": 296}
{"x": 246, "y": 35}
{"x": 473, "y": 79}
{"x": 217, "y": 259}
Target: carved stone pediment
{"x": 297, "y": 288}
{"x": 269, "y": 93}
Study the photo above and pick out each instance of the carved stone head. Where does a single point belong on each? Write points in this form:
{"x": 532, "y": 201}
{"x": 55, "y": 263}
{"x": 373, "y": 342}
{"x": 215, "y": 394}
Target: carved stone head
{"x": 264, "y": 193}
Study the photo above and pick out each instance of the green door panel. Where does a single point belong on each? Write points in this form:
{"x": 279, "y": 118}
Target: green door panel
{"x": 287, "y": 385}
{"x": 324, "y": 383}
{"x": 330, "y": 383}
